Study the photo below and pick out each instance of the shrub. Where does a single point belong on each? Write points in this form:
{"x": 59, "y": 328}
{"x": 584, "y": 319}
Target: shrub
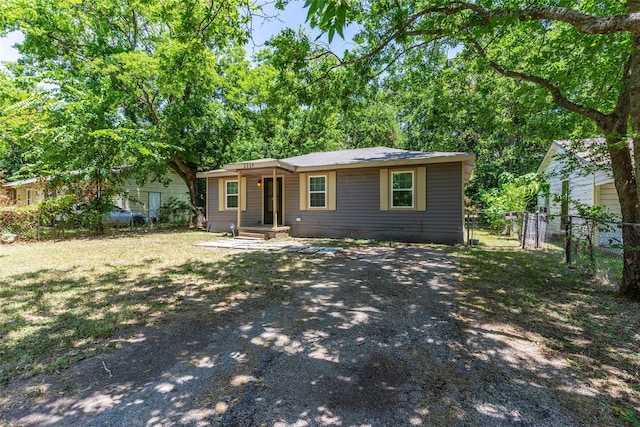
{"x": 20, "y": 220}
{"x": 514, "y": 194}
{"x": 177, "y": 211}
{"x": 58, "y": 212}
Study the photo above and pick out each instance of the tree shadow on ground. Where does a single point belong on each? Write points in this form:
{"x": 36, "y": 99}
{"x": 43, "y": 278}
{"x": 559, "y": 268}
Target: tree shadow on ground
{"x": 372, "y": 336}
{"x": 569, "y": 314}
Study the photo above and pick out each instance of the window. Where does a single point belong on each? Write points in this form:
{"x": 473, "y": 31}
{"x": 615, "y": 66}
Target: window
{"x": 231, "y": 194}
{"x": 29, "y": 200}
{"x": 318, "y": 191}
{"x": 402, "y": 189}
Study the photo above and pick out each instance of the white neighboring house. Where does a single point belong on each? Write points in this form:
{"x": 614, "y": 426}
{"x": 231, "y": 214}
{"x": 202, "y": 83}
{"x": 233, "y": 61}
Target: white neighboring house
{"x": 593, "y": 188}
{"x": 147, "y": 198}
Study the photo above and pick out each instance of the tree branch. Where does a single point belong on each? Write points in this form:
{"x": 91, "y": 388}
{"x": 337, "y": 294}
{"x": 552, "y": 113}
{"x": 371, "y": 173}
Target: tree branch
{"x": 558, "y": 97}
{"x": 585, "y": 23}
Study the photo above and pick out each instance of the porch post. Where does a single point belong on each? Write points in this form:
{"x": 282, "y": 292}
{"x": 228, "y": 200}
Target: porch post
{"x": 275, "y": 199}
{"x": 239, "y": 201}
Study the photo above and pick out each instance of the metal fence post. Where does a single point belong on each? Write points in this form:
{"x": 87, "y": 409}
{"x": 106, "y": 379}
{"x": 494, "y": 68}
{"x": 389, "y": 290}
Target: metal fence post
{"x": 525, "y": 226}
{"x": 568, "y": 236}
{"x": 468, "y": 226}
{"x": 537, "y": 230}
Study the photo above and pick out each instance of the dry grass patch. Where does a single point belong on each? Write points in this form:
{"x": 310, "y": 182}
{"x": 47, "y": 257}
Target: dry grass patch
{"x": 61, "y": 302}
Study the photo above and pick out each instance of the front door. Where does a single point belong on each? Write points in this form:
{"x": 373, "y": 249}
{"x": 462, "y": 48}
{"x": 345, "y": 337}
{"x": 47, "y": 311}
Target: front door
{"x": 154, "y": 206}
{"x": 268, "y": 201}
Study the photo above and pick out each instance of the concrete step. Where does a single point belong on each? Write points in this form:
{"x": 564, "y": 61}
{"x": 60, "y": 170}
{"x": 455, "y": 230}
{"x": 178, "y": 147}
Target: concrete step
{"x": 251, "y": 236}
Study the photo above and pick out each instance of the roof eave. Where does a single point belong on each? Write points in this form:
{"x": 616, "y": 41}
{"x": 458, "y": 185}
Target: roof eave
{"x": 215, "y": 173}
{"x": 389, "y": 163}
{"x": 22, "y": 183}
{"x": 546, "y": 160}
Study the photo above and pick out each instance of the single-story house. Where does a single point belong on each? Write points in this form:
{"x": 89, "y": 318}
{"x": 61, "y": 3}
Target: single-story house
{"x": 374, "y": 193}
{"x": 573, "y": 175}
{"x": 147, "y": 198}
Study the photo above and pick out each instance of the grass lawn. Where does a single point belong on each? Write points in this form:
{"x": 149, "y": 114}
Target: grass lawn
{"x": 576, "y": 316}
{"x": 61, "y": 302}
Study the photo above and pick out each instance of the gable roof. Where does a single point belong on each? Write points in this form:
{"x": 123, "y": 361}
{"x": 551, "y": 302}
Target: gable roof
{"x": 346, "y": 159}
{"x": 578, "y": 157}
{"x": 584, "y": 153}
{"x": 21, "y": 182}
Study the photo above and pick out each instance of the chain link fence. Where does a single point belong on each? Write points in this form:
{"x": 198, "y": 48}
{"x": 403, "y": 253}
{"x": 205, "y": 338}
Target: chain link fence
{"x": 506, "y": 229}
{"x": 595, "y": 245}
{"x": 590, "y": 244}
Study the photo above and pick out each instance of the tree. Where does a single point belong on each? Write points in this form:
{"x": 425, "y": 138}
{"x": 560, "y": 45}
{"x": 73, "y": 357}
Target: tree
{"x": 457, "y": 104}
{"x": 18, "y": 124}
{"x": 137, "y": 81}
{"x": 512, "y": 194}
{"x": 585, "y": 54}
{"x": 295, "y": 106}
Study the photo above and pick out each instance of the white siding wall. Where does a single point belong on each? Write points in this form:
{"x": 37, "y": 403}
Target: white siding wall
{"x": 582, "y": 188}
{"x": 138, "y": 195}
{"x": 37, "y": 195}
{"x": 608, "y": 196}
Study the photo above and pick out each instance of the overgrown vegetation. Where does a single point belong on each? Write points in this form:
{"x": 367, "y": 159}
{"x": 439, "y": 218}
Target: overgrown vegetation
{"x": 177, "y": 212}
{"x": 19, "y": 220}
{"x": 514, "y": 194}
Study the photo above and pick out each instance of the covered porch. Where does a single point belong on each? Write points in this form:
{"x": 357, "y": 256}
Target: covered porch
{"x": 268, "y": 175}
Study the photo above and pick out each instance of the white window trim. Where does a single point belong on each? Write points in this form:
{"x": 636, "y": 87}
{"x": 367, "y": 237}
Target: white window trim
{"x": 226, "y": 194}
{"x": 309, "y": 192}
{"x": 413, "y": 189}
{"x": 29, "y": 196}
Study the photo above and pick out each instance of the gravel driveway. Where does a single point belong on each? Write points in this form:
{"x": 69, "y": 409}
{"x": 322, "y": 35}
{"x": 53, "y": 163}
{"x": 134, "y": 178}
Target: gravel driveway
{"x": 375, "y": 339}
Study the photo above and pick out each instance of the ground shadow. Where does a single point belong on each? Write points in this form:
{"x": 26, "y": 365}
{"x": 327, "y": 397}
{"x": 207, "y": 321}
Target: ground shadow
{"x": 372, "y": 336}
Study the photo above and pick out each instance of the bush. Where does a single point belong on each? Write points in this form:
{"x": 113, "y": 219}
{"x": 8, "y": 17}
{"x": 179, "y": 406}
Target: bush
{"x": 177, "y": 212}
{"x": 58, "y": 213}
{"x": 514, "y": 194}
{"x": 20, "y": 220}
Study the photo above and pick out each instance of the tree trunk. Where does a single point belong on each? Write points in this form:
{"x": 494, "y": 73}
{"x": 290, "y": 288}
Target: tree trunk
{"x": 626, "y": 186}
{"x": 187, "y": 172}
{"x": 630, "y": 196}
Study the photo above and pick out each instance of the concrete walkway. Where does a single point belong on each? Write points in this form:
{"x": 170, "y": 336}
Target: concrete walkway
{"x": 269, "y": 245}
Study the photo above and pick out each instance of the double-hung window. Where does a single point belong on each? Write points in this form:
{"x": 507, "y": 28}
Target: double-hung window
{"x": 402, "y": 189}
{"x": 231, "y": 194}
{"x": 318, "y": 191}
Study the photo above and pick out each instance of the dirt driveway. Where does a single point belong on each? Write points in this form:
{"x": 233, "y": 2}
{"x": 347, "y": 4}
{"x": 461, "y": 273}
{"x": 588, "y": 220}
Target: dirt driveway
{"x": 375, "y": 339}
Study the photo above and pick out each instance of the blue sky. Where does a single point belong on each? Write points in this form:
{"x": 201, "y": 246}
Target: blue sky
{"x": 7, "y": 52}
{"x": 292, "y": 17}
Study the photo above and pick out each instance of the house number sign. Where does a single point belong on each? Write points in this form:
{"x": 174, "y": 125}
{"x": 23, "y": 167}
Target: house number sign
{"x": 247, "y": 165}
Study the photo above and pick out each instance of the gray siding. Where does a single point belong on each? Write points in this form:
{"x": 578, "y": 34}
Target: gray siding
{"x": 358, "y": 213}
{"x": 217, "y": 221}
